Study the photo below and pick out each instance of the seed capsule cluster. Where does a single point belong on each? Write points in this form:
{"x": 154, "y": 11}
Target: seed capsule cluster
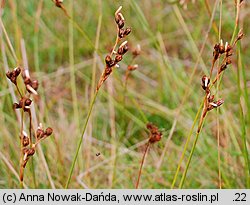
{"x": 110, "y": 61}
{"x": 224, "y": 51}
{"x": 28, "y": 147}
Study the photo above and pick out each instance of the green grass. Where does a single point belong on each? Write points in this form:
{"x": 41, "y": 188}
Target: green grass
{"x": 67, "y": 57}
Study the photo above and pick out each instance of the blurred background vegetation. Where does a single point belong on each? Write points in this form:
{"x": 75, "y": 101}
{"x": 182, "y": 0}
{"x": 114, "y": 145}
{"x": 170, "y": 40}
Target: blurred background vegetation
{"x": 177, "y": 45}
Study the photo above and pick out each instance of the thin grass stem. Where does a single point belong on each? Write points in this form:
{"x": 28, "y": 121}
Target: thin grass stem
{"x": 217, "y": 113}
{"x": 8, "y": 41}
{"x": 186, "y": 145}
{"x": 142, "y": 162}
{"x": 80, "y": 140}
{"x": 183, "y": 178}
{"x": 243, "y": 122}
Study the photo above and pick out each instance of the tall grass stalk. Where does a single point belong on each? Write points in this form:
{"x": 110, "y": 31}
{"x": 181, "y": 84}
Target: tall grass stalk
{"x": 243, "y": 121}
{"x": 191, "y": 154}
{"x": 72, "y": 67}
{"x": 218, "y": 111}
{"x": 186, "y": 146}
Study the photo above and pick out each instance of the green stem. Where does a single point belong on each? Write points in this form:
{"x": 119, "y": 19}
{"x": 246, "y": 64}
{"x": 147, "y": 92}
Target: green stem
{"x": 31, "y": 143}
{"x": 80, "y": 140}
{"x": 217, "y": 113}
{"x": 72, "y": 67}
{"x": 33, "y": 172}
{"x": 243, "y": 122}
{"x": 142, "y": 162}
{"x": 183, "y": 178}
{"x": 236, "y": 21}
{"x": 185, "y": 147}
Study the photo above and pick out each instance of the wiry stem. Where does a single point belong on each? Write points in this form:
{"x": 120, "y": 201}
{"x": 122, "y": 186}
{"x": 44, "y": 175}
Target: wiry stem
{"x": 185, "y": 147}
{"x": 212, "y": 68}
{"x": 8, "y": 41}
{"x": 191, "y": 154}
{"x": 217, "y": 116}
{"x": 80, "y": 140}
{"x": 202, "y": 118}
{"x": 18, "y": 90}
{"x": 21, "y": 152}
{"x": 142, "y": 162}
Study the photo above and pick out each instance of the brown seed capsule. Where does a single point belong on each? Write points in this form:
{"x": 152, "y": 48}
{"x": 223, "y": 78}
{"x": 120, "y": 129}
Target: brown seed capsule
{"x": 127, "y": 31}
{"x": 108, "y": 71}
{"x": 121, "y": 24}
{"x": 227, "y": 47}
{"x": 109, "y": 61}
{"x": 28, "y": 102}
{"x": 29, "y": 151}
{"x": 124, "y": 32}
{"x": 123, "y": 48}
{"x": 23, "y": 103}
{"x": 240, "y": 34}
{"x": 16, "y": 106}
{"x": 58, "y": 3}
{"x": 132, "y": 67}
{"x": 219, "y": 102}
{"x": 137, "y": 51}
{"x": 228, "y": 61}
{"x": 155, "y": 134}
{"x": 39, "y": 133}
{"x": 31, "y": 86}
{"x": 119, "y": 19}
{"x": 118, "y": 58}
{"x": 121, "y": 33}
{"x": 210, "y": 98}
{"x": 216, "y": 52}
{"x": 26, "y": 141}
{"x": 215, "y": 104}
{"x": 48, "y": 131}
{"x": 12, "y": 75}
{"x": 34, "y": 84}
{"x": 223, "y": 67}
{"x": 221, "y": 47}
{"x": 205, "y": 82}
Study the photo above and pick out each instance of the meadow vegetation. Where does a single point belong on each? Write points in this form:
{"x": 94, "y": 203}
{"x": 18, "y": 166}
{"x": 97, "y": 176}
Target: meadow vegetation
{"x": 144, "y": 123}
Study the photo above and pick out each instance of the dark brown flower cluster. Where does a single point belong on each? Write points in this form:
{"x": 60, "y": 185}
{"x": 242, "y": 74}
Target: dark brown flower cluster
{"x": 132, "y": 67}
{"x": 42, "y": 134}
{"x": 30, "y": 151}
{"x": 111, "y": 61}
{"x": 24, "y": 103}
{"x": 12, "y": 75}
{"x": 226, "y": 52}
{"x": 27, "y": 153}
{"x": 155, "y": 134}
{"x": 58, "y": 3}
{"x": 209, "y": 101}
{"x": 120, "y": 21}
{"x": 31, "y": 86}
